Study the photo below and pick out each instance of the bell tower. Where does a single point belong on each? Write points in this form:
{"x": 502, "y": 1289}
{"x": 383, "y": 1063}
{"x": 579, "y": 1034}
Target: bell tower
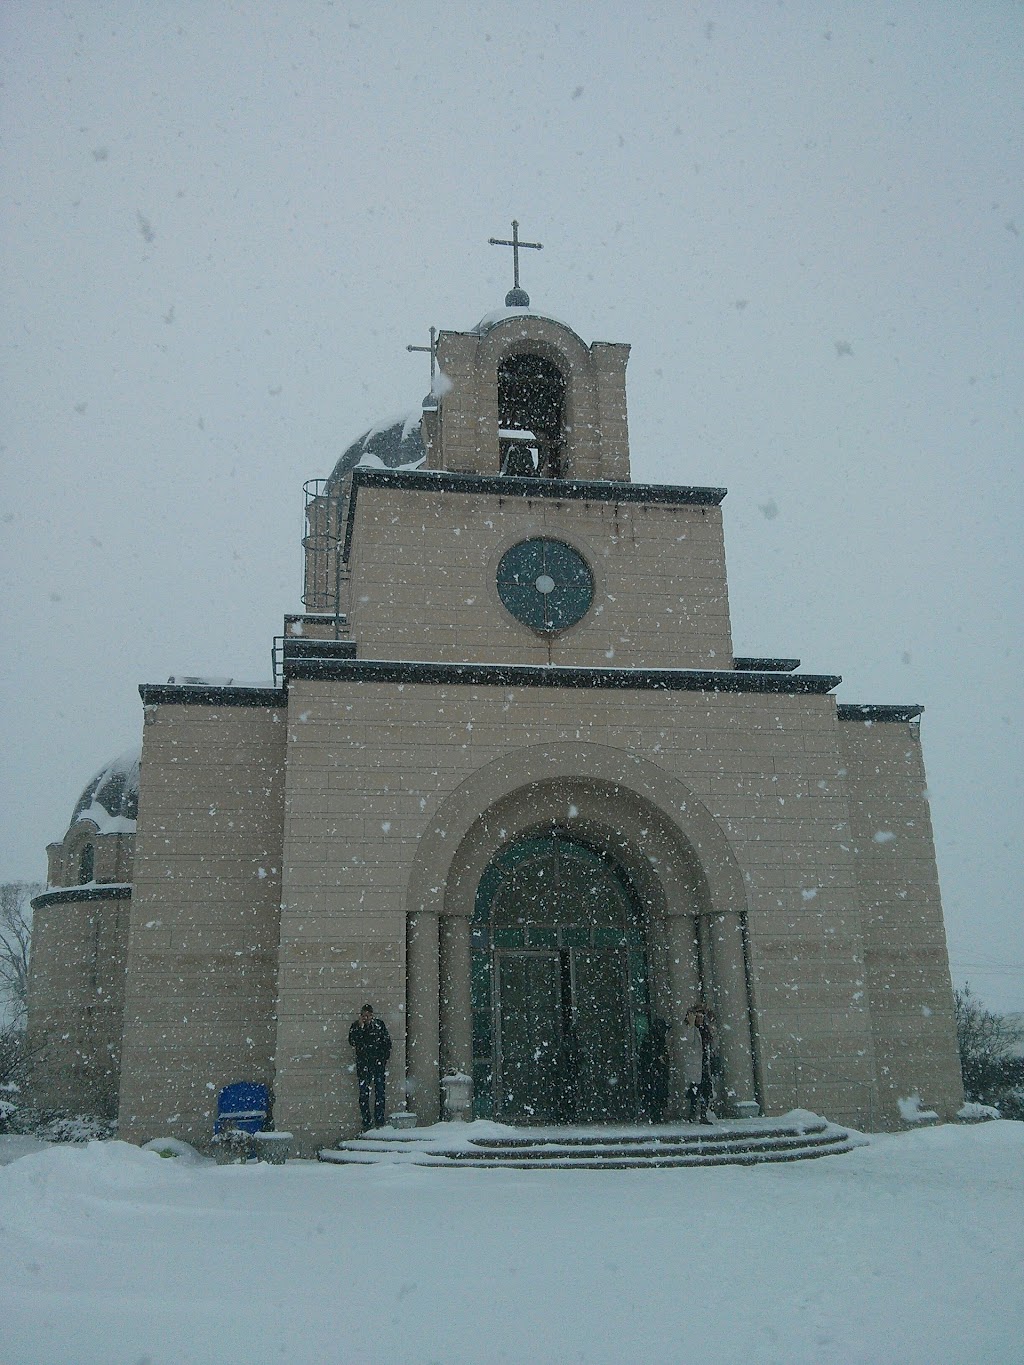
{"x": 500, "y": 524}
{"x": 522, "y": 395}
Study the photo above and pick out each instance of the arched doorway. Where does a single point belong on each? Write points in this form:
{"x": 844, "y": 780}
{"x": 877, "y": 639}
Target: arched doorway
{"x": 560, "y": 992}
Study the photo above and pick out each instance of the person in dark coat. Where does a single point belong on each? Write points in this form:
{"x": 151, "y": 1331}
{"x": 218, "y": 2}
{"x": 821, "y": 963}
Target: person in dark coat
{"x": 372, "y": 1042}
{"x": 655, "y": 1068}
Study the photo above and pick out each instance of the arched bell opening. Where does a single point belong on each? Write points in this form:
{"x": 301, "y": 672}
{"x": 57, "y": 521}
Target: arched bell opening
{"x": 561, "y": 993}
{"x": 531, "y": 412}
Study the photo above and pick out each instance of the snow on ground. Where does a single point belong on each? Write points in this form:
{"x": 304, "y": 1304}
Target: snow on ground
{"x": 906, "y": 1250}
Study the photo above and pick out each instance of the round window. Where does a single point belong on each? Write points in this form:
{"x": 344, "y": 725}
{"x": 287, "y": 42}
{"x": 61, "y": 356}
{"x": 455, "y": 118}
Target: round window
{"x": 546, "y": 584}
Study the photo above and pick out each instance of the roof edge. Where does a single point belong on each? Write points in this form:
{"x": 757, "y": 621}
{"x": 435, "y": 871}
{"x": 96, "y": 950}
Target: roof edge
{"x": 866, "y": 711}
{"x": 92, "y": 891}
{"x": 327, "y": 667}
{"x": 188, "y": 694}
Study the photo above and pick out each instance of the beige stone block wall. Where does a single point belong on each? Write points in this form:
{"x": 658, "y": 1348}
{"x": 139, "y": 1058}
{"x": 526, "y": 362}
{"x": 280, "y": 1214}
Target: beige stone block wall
{"x": 909, "y": 984}
{"x": 424, "y": 585}
{"x": 768, "y": 769}
{"x": 115, "y": 857}
{"x": 776, "y": 786}
{"x": 371, "y": 764}
{"x": 331, "y": 962}
{"x": 610, "y": 372}
{"x": 456, "y": 446}
{"x": 202, "y": 950}
{"x": 76, "y": 1005}
{"x": 55, "y": 864}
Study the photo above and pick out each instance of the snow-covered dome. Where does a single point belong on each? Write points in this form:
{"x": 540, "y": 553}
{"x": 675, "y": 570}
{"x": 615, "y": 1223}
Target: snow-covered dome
{"x": 111, "y": 799}
{"x": 393, "y": 444}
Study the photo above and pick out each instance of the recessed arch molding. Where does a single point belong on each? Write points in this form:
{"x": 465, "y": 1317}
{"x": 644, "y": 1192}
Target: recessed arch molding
{"x": 674, "y": 850}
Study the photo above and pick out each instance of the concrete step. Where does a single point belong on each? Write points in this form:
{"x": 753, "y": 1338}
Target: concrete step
{"x": 741, "y": 1142}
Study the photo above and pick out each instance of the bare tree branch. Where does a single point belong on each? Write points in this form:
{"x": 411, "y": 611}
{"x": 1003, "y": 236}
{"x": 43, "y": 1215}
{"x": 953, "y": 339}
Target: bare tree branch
{"x": 987, "y": 1043}
{"x": 15, "y": 943}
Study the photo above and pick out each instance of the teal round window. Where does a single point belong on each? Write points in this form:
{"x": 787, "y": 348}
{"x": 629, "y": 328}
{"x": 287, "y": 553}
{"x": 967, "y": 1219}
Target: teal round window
{"x": 546, "y": 584}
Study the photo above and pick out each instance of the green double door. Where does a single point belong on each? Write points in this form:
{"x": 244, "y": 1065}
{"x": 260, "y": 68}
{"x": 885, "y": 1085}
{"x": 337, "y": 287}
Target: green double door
{"x": 565, "y": 1040}
{"x": 559, "y": 988}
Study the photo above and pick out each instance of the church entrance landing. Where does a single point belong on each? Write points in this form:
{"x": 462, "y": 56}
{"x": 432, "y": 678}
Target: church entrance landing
{"x": 560, "y": 985}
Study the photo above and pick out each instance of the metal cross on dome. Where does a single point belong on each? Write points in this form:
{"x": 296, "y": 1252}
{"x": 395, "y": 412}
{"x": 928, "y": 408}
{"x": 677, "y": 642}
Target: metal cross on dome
{"x": 516, "y": 297}
{"x": 432, "y": 348}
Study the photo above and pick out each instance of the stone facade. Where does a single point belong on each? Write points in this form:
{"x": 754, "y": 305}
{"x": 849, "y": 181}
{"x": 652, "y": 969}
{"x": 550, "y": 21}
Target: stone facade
{"x": 79, "y": 946}
{"x": 76, "y": 999}
{"x": 202, "y": 950}
{"x": 330, "y": 839}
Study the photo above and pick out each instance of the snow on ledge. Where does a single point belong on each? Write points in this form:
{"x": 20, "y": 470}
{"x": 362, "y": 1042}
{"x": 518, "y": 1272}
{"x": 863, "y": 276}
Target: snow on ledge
{"x": 202, "y": 680}
{"x": 370, "y": 461}
{"x": 973, "y": 1112}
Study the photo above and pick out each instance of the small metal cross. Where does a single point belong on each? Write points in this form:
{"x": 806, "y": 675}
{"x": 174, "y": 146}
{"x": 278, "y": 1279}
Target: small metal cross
{"x": 515, "y": 244}
{"x": 432, "y": 348}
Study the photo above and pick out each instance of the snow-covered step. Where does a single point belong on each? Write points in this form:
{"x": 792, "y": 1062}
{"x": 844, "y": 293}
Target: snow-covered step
{"x": 793, "y": 1137}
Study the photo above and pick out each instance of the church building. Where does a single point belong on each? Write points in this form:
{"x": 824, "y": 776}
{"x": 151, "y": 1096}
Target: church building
{"x": 512, "y": 784}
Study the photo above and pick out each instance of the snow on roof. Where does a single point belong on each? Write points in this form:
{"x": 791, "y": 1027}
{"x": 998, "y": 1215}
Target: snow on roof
{"x": 111, "y": 799}
{"x": 209, "y": 680}
{"x": 394, "y": 443}
{"x": 375, "y": 462}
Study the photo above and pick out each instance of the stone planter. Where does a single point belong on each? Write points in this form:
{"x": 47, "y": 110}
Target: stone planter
{"x": 458, "y": 1096}
{"x": 273, "y": 1148}
{"x": 747, "y": 1109}
{"x": 402, "y": 1120}
{"x": 233, "y": 1147}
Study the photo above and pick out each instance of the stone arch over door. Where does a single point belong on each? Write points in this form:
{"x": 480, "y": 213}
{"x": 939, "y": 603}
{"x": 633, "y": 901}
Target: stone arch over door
{"x": 672, "y": 849}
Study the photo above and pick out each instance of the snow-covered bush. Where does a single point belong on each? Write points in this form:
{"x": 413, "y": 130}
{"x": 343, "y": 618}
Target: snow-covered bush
{"x": 8, "y": 1106}
{"x": 76, "y": 1128}
{"x": 1011, "y": 1102}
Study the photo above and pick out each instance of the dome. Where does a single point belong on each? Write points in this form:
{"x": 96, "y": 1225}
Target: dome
{"x": 394, "y": 444}
{"x": 111, "y": 799}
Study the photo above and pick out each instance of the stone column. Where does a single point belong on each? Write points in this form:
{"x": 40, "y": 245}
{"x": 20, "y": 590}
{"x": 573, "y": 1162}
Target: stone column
{"x": 422, "y": 1024}
{"x": 683, "y": 990}
{"x": 732, "y": 1007}
{"x": 456, "y": 997}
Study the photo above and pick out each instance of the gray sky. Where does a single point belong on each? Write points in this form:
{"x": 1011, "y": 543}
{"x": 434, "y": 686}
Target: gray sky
{"x": 225, "y": 221}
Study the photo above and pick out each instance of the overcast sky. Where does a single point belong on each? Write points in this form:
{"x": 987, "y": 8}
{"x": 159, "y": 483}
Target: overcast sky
{"x": 224, "y": 222}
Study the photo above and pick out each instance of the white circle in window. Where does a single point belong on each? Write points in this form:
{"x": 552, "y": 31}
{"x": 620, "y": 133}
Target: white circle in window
{"x": 545, "y": 584}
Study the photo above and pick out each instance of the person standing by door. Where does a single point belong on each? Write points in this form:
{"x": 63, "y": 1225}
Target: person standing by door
{"x": 699, "y": 1063}
{"x": 372, "y": 1042}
